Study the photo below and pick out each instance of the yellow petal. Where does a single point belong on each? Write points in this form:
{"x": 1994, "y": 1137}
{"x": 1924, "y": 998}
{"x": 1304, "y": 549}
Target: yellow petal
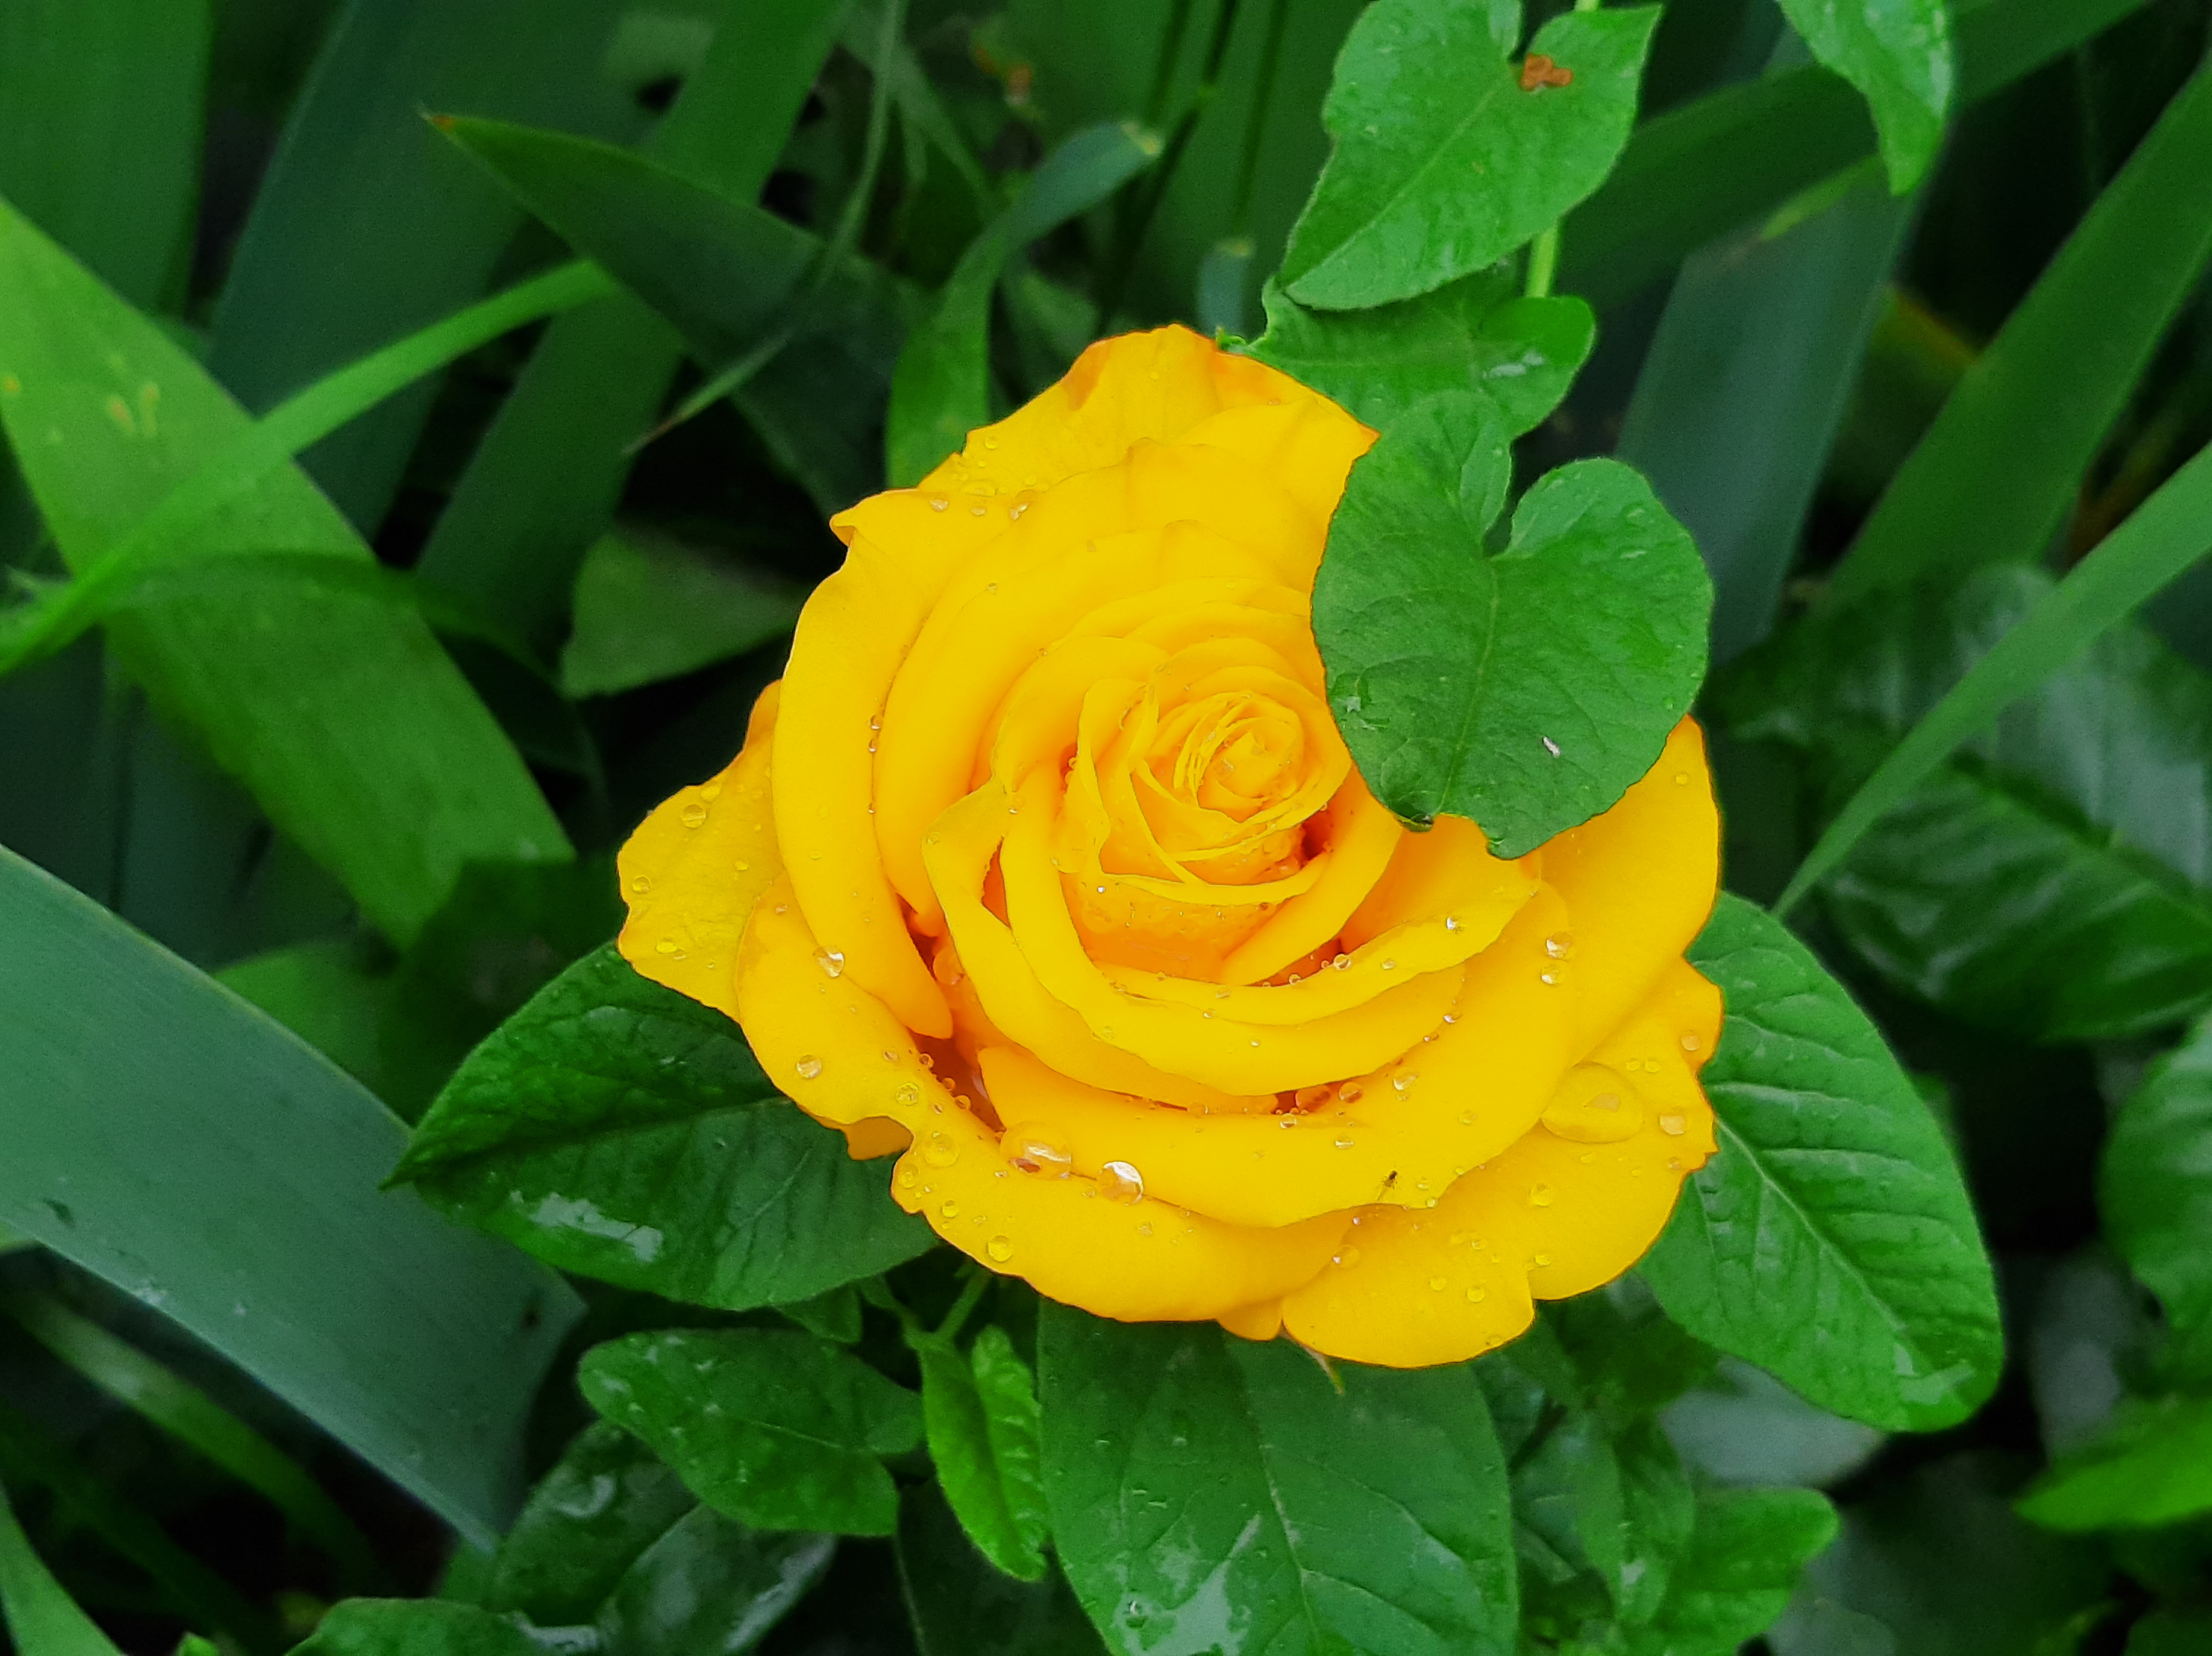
{"x": 692, "y": 871}
{"x": 1639, "y": 882}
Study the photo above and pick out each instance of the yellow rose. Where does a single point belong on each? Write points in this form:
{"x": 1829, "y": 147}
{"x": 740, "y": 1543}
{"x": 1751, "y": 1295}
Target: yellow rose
{"x": 1046, "y": 864}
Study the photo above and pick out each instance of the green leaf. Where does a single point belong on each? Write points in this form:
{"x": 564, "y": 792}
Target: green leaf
{"x": 649, "y": 607}
{"x": 1211, "y": 1492}
{"x": 1455, "y": 688}
{"x": 416, "y": 1627}
{"x": 1997, "y": 475}
{"x": 612, "y": 1540}
{"x": 618, "y": 1129}
{"x": 982, "y": 1415}
{"x": 961, "y": 1605}
{"x": 346, "y": 720}
{"x": 1444, "y": 163}
{"x": 604, "y": 1502}
{"x": 42, "y": 1619}
{"x": 942, "y": 389}
{"x": 1746, "y": 1551}
{"x": 1743, "y": 1427}
{"x": 773, "y": 1427}
{"x": 1899, "y": 57}
{"x": 366, "y": 228}
{"x": 222, "y": 1172}
{"x": 834, "y": 1316}
{"x": 2025, "y": 869}
{"x": 542, "y": 485}
{"x": 1473, "y": 334}
{"x": 2156, "y": 1190}
{"x": 728, "y": 274}
{"x": 1701, "y": 171}
{"x": 1831, "y": 1241}
{"x": 189, "y": 1415}
{"x": 2170, "y": 1633}
{"x": 1740, "y": 395}
{"x": 100, "y": 120}
{"x": 2153, "y": 1465}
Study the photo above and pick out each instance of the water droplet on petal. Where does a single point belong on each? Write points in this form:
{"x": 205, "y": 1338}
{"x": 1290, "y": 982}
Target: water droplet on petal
{"x": 1674, "y": 1123}
{"x": 940, "y": 1149}
{"x": 1559, "y": 945}
{"x": 1000, "y": 1248}
{"x": 667, "y": 945}
{"x": 1035, "y": 1148}
{"x": 695, "y": 814}
{"x": 832, "y": 962}
{"x": 908, "y": 1093}
{"x": 1402, "y": 1080}
{"x": 1691, "y": 1043}
{"x": 1118, "y": 1181}
{"x": 1539, "y": 1196}
{"x": 948, "y": 1209}
{"x": 1437, "y": 1284}
{"x": 1543, "y": 1259}
{"x": 1451, "y": 922}
{"x": 939, "y": 502}
{"x": 1349, "y": 1256}
{"x": 1476, "y": 1296}
{"x": 641, "y": 884}
{"x": 809, "y": 1067}
{"x": 1350, "y": 1092}
{"x": 742, "y": 866}
{"x": 1344, "y": 1144}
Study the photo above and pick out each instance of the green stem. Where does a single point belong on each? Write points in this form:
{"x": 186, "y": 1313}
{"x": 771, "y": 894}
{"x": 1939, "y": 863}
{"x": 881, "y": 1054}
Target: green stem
{"x": 1543, "y": 251}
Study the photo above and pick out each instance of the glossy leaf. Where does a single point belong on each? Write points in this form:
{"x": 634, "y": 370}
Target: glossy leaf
{"x": 347, "y": 723}
{"x": 1744, "y": 385}
{"x": 219, "y": 1170}
{"x": 1454, "y": 687}
{"x": 942, "y": 389}
{"x": 100, "y": 120}
{"x": 982, "y": 1415}
{"x": 1997, "y": 475}
{"x": 1473, "y": 334}
{"x": 1445, "y": 162}
{"x": 2156, "y": 1191}
{"x": 591, "y": 1517}
{"x": 2054, "y": 829}
{"x": 961, "y": 1604}
{"x": 42, "y": 1619}
{"x": 1831, "y": 1241}
{"x": 618, "y": 1129}
{"x": 612, "y": 1543}
{"x": 318, "y": 277}
{"x": 1743, "y": 1427}
{"x": 1899, "y": 57}
{"x": 1746, "y": 1551}
{"x": 1211, "y": 1492}
{"x": 650, "y": 607}
{"x": 773, "y": 1427}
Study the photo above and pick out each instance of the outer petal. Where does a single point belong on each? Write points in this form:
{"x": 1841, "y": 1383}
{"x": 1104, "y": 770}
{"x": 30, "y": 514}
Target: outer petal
{"x": 692, "y": 871}
{"x": 1639, "y": 882}
{"x": 1550, "y": 1217}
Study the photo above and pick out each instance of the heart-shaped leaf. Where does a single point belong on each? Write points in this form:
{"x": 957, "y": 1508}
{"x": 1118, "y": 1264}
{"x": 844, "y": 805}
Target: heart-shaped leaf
{"x": 1449, "y": 156}
{"x": 1526, "y": 690}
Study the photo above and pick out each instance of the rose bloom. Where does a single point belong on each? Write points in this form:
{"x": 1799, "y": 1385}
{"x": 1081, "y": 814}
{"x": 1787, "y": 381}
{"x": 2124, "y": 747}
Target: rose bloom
{"x": 1045, "y": 867}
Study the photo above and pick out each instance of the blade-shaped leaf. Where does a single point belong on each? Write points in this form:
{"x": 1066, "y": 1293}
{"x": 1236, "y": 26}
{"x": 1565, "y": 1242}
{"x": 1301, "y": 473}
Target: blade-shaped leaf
{"x": 416, "y": 1627}
{"x": 346, "y": 722}
{"x": 101, "y": 119}
{"x": 1899, "y": 57}
{"x": 1471, "y": 334}
{"x": 1746, "y": 382}
{"x": 1455, "y": 688}
{"x": 1996, "y": 476}
{"x": 1701, "y": 171}
{"x": 1831, "y": 1241}
{"x": 319, "y": 277}
{"x": 982, "y": 1415}
{"x": 942, "y": 389}
{"x": 1211, "y": 1492}
{"x": 1448, "y": 156}
{"x": 221, "y": 1171}
{"x": 2156, "y": 1191}
{"x": 2042, "y": 881}
{"x": 650, "y": 607}
{"x": 42, "y": 1619}
{"x": 2153, "y": 1465}
{"x": 615, "y": 1128}
{"x": 773, "y": 1427}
